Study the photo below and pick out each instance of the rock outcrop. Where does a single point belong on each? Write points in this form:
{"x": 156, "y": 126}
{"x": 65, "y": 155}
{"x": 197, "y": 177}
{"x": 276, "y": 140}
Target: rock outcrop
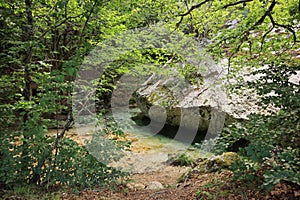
{"x": 205, "y": 107}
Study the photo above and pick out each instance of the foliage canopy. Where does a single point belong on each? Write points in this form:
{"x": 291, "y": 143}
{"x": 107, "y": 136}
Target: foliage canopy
{"x": 44, "y": 42}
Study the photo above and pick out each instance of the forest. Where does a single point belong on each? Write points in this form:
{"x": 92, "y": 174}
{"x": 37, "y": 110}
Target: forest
{"x": 62, "y": 63}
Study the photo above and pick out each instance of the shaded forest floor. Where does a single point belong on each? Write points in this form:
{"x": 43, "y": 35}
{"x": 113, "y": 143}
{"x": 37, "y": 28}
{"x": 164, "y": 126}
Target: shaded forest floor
{"x": 210, "y": 185}
{"x": 216, "y": 185}
{"x": 213, "y": 185}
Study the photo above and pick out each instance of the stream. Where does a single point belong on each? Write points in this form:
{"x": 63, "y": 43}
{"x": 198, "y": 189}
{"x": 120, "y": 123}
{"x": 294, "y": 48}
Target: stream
{"x": 150, "y": 149}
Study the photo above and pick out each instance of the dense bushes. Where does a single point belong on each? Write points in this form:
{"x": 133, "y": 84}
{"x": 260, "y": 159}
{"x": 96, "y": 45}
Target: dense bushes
{"x": 273, "y": 152}
{"x": 30, "y": 156}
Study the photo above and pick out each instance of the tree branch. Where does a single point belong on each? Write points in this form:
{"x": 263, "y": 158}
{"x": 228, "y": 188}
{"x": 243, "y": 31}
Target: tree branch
{"x": 262, "y": 19}
{"x": 58, "y": 25}
{"x": 236, "y": 3}
{"x": 194, "y": 7}
{"x": 289, "y": 28}
{"x": 86, "y": 22}
{"x": 36, "y": 175}
{"x": 190, "y": 10}
{"x": 264, "y": 37}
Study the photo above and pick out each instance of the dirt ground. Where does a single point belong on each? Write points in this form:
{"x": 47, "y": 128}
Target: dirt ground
{"x": 218, "y": 185}
{"x": 215, "y": 185}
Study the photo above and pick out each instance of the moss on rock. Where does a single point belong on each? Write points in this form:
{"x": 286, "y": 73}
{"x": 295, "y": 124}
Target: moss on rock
{"x": 217, "y": 162}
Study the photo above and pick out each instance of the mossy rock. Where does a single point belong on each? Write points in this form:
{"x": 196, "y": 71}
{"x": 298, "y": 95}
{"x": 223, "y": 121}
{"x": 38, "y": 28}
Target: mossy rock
{"x": 217, "y": 162}
{"x": 226, "y": 159}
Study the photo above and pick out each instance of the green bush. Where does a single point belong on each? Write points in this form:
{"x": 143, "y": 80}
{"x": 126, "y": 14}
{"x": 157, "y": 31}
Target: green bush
{"x": 182, "y": 160}
{"x": 273, "y": 152}
{"x": 68, "y": 165}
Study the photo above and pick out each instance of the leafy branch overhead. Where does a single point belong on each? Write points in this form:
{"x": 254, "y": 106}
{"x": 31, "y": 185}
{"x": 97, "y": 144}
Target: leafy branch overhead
{"x": 237, "y": 25}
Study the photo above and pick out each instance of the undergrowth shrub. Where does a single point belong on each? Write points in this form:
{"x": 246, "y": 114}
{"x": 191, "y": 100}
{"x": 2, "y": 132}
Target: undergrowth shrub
{"x": 273, "y": 152}
{"x": 69, "y": 165}
{"x": 30, "y": 156}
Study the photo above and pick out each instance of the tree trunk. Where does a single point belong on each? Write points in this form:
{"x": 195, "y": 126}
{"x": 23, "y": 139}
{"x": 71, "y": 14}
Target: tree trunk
{"x": 28, "y": 35}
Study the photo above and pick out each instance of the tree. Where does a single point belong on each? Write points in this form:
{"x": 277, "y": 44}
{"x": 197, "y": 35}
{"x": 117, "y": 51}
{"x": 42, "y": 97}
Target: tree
{"x": 42, "y": 46}
{"x": 261, "y": 37}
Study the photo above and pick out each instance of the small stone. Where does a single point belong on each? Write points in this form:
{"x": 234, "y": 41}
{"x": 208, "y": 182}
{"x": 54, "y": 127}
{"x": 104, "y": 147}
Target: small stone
{"x": 155, "y": 185}
{"x": 135, "y": 186}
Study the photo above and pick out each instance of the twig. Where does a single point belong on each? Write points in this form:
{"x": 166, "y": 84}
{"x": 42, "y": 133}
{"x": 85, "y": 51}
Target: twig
{"x": 67, "y": 126}
{"x": 245, "y": 34}
{"x": 236, "y": 3}
{"x": 86, "y": 23}
{"x": 289, "y": 28}
{"x": 189, "y": 11}
{"x": 264, "y": 37}
{"x": 58, "y": 25}
{"x": 262, "y": 19}
{"x": 62, "y": 133}
{"x": 202, "y": 91}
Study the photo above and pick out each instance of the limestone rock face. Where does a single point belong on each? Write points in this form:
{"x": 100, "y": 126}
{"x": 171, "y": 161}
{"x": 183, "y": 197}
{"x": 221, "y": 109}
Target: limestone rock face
{"x": 205, "y": 107}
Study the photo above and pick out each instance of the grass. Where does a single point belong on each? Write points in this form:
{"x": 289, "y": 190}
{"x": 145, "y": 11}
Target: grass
{"x": 29, "y": 192}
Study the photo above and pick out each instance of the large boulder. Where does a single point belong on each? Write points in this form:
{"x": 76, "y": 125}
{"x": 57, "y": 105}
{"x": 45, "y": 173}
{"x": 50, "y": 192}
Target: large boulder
{"x": 205, "y": 107}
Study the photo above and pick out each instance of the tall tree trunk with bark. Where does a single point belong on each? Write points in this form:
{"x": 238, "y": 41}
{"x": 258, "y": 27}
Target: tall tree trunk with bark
{"x": 27, "y": 93}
